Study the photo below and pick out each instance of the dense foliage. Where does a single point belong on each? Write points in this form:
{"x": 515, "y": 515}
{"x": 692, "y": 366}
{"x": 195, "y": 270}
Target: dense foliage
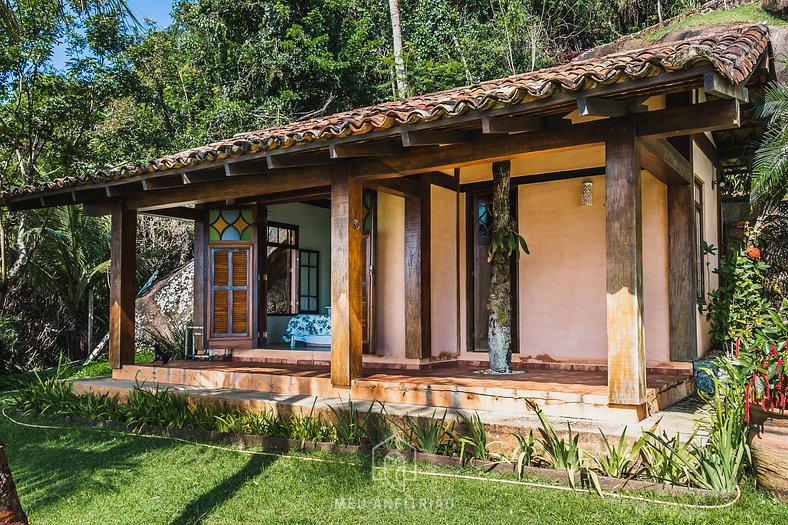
{"x": 131, "y": 91}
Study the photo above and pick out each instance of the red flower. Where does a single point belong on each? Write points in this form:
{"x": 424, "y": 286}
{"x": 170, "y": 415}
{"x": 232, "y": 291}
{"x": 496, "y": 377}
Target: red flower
{"x": 754, "y": 253}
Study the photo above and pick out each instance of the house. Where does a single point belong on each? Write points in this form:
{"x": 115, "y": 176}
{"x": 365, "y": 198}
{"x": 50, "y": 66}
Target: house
{"x": 381, "y": 215}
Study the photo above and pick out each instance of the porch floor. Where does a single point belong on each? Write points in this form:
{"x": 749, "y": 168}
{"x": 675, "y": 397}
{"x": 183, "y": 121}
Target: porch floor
{"x": 565, "y": 393}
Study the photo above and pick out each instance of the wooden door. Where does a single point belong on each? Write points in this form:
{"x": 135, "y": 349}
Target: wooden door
{"x": 478, "y": 278}
{"x": 480, "y": 224}
{"x": 230, "y": 292}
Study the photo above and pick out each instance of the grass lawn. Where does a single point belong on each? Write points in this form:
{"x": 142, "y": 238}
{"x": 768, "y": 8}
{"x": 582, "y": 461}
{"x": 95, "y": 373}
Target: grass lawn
{"x": 85, "y": 475}
{"x": 748, "y": 13}
{"x": 76, "y": 371}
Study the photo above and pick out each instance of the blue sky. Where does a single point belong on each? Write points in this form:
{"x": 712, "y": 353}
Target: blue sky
{"x": 155, "y": 10}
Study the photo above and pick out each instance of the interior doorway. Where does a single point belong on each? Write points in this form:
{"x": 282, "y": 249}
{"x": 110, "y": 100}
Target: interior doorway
{"x": 295, "y": 274}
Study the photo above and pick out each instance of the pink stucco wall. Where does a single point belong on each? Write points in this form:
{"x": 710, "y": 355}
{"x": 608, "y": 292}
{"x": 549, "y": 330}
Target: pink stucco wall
{"x": 390, "y": 276}
{"x": 562, "y": 306}
{"x": 443, "y": 275}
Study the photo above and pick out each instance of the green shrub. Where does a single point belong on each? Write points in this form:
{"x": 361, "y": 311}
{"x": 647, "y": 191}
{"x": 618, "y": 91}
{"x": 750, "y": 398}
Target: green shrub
{"x": 424, "y": 434}
{"x": 669, "y": 460}
{"x": 51, "y": 395}
{"x": 475, "y": 438}
{"x": 738, "y": 307}
{"x": 308, "y": 427}
{"x": 619, "y": 461}
{"x": 350, "y": 426}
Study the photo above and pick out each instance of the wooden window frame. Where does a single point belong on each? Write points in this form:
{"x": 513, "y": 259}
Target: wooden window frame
{"x": 311, "y": 294}
{"x": 226, "y": 246}
{"x": 294, "y": 286}
{"x": 698, "y": 224}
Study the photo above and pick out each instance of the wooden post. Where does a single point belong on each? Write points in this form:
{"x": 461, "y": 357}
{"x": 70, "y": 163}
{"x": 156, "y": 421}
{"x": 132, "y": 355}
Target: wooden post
{"x": 122, "y": 285}
{"x": 418, "y": 319}
{"x": 261, "y": 240}
{"x": 346, "y": 276}
{"x": 200, "y": 280}
{"x": 625, "y": 336}
{"x": 681, "y": 273}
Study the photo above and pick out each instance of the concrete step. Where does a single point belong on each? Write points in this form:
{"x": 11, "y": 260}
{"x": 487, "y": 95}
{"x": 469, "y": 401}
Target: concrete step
{"x": 501, "y": 427}
{"x": 431, "y": 390}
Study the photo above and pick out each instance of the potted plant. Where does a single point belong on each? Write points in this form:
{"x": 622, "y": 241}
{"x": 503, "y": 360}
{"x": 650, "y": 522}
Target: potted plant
{"x": 762, "y": 365}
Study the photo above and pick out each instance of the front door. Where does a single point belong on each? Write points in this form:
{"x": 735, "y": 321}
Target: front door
{"x": 480, "y": 223}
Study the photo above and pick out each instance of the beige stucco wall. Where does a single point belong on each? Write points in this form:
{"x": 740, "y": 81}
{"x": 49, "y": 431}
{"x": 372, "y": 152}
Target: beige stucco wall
{"x": 390, "y": 276}
{"x": 704, "y": 170}
{"x": 562, "y": 282}
{"x": 443, "y": 275}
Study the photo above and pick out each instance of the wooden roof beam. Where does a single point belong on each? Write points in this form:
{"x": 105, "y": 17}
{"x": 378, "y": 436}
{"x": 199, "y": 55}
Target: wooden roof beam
{"x": 515, "y": 124}
{"x": 250, "y": 167}
{"x": 364, "y": 149}
{"x": 661, "y": 159}
{"x": 118, "y": 189}
{"x": 232, "y": 188}
{"x": 176, "y": 212}
{"x": 197, "y": 177}
{"x": 680, "y": 121}
{"x": 401, "y": 187}
{"x": 719, "y": 86}
{"x": 672, "y": 122}
{"x": 158, "y": 183}
{"x": 605, "y": 107}
{"x": 297, "y": 159}
{"x": 283, "y": 197}
{"x": 435, "y": 137}
{"x": 708, "y": 148}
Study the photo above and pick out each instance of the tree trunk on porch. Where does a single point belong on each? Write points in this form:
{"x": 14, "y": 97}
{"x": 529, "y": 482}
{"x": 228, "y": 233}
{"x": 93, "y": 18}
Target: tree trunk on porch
{"x": 500, "y": 304}
{"x": 11, "y": 512}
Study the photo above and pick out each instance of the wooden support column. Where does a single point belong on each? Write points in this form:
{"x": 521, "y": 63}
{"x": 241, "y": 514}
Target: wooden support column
{"x": 122, "y": 285}
{"x": 625, "y": 336}
{"x": 200, "y": 282}
{"x": 681, "y": 273}
{"x": 346, "y": 277}
{"x": 418, "y": 319}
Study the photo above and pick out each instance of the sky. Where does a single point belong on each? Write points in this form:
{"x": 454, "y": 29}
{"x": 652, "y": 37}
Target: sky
{"x": 155, "y": 10}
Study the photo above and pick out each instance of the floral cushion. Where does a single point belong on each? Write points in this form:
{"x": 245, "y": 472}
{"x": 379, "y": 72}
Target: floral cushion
{"x": 307, "y": 324}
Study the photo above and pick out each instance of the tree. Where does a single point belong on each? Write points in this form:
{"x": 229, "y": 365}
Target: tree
{"x": 505, "y": 242}
{"x": 11, "y": 512}
{"x": 10, "y": 21}
{"x": 770, "y": 162}
{"x": 400, "y": 80}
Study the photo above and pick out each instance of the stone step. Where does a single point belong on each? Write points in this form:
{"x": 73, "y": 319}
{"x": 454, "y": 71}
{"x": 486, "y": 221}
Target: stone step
{"x": 502, "y": 427}
{"x": 431, "y": 391}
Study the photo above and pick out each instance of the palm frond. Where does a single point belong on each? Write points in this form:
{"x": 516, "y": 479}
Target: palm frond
{"x": 770, "y": 160}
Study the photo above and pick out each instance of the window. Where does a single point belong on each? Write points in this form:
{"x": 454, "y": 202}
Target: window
{"x": 230, "y": 291}
{"x": 309, "y": 267}
{"x": 280, "y": 265}
{"x": 700, "y": 279}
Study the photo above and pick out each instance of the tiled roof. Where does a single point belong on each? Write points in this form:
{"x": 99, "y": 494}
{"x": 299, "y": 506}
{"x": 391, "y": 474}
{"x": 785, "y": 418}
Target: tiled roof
{"x": 733, "y": 51}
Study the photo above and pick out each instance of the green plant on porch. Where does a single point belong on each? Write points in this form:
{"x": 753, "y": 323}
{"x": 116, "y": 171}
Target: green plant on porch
{"x": 505, "y": 242}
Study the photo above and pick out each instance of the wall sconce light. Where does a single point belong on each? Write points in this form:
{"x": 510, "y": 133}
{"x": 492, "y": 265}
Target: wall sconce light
{"x": 717, "y": 182}
{"x": 586, "y": 193}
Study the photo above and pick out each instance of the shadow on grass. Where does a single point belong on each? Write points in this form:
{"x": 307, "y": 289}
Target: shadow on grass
{"x": 52, "y": 465}
{"x": 201, "y": 505}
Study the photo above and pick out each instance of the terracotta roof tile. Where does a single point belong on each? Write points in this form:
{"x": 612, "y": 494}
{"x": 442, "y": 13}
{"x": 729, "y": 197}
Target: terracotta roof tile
{"x": 733, "y": 51}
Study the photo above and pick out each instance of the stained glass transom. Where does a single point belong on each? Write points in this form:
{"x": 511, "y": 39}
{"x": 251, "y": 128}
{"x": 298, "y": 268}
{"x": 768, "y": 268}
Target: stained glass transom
{"x": 230, "y": 225}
